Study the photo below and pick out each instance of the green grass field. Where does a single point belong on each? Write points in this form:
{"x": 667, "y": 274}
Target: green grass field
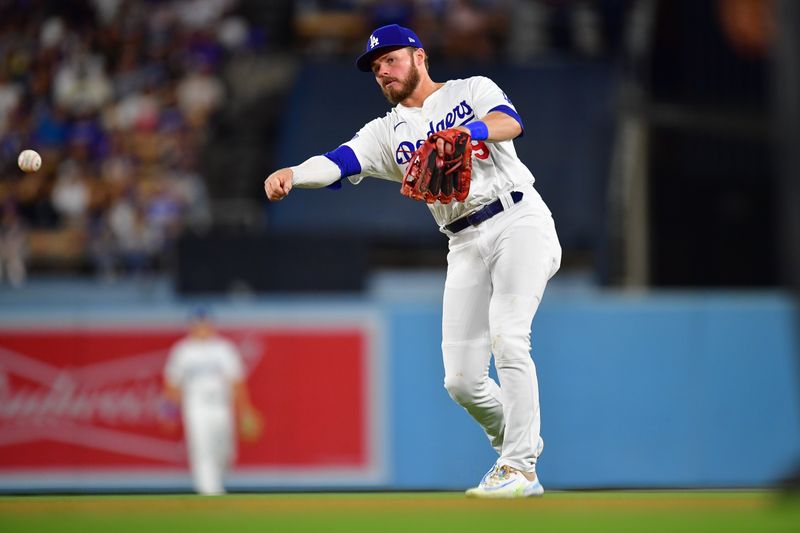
{"x": 564, "y": 512}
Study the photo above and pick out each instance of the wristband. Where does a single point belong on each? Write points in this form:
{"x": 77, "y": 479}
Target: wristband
{"x": 478, "y": 130}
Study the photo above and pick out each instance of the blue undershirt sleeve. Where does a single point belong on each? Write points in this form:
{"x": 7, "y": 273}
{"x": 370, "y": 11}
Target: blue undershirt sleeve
{"x": 508, "y": 110}
{"x": 345, "y": 158}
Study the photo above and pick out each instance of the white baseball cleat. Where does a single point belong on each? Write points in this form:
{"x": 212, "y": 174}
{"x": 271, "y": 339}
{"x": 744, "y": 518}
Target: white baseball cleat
{"x": 505, "y": 482}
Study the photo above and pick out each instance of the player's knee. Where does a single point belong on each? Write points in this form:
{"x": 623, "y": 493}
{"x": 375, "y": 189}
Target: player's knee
{"x": 463, "y": 391}
{"x": 508, "y": 346}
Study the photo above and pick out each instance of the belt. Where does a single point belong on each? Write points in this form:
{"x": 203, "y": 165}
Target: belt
{"x": 481, "y": 215}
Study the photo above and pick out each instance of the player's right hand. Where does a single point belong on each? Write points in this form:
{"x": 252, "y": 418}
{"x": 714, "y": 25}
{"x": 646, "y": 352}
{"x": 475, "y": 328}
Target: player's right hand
{"x": 278, "y": 184}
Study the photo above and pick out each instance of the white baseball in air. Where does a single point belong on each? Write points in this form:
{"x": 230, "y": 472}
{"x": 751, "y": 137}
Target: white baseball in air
{"x": 29, "y": 161}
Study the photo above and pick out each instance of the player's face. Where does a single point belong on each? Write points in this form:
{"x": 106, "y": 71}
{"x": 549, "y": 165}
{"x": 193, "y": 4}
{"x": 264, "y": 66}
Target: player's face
{"x": 202, "y": 329}
{"x": 397, "y": 74}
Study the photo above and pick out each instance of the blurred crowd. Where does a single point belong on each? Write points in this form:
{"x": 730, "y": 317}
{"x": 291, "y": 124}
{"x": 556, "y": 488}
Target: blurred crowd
{"x": 119, "y": 97}
{"x": 116, "y": 96}
{"x": 474, "y": 31}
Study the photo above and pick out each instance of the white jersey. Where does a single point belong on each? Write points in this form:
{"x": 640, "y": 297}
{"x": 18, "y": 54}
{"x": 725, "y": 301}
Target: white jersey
{"x": 204, "y": 369}
{"x": 384, "y": 146}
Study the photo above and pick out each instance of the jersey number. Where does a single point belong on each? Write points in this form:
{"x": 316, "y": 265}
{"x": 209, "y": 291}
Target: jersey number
{"x": 480, "y": 150}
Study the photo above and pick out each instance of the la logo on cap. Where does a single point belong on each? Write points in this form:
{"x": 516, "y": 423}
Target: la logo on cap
{"x": 373, "y": 41}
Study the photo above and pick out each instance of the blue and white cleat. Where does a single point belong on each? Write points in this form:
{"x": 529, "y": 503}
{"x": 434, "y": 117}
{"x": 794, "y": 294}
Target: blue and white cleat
{"x": 505, "y": 482}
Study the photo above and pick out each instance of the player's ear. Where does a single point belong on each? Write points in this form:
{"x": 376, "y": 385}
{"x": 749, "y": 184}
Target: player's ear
{"x": 420, "y": 57}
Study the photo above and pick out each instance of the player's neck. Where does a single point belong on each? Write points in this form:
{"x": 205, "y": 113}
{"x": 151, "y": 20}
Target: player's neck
{"x": 425, "y": 88}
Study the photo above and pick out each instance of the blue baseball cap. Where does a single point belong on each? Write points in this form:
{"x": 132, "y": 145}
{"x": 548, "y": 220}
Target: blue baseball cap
{"x": 391, "y": 36}
{"x": 200, "y": 312}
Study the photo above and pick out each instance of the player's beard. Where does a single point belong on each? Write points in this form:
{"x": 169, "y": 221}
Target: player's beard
{"x": 407, "y": 86}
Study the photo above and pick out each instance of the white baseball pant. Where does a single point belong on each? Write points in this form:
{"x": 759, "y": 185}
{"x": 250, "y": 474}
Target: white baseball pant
{"x": 210, "y": 440}
{"x": 496, "y": 275}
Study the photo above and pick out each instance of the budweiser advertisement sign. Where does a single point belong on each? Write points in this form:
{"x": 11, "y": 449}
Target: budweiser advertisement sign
{"x": 83, "y": 403}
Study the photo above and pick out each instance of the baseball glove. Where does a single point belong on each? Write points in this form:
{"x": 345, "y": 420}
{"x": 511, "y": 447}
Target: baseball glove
{"x": 251, "y": 425}
{"x": 431, "y": 178}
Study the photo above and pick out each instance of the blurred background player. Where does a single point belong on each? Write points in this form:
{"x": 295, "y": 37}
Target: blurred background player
{"x": 204, "y": 375}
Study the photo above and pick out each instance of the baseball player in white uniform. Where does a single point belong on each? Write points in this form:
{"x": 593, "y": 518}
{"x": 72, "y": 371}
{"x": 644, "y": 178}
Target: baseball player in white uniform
{"x": 503, "y": 246}
{"x": 204, "y": 373}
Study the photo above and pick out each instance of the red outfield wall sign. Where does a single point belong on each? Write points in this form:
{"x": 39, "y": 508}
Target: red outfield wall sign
{"x": 84, "y": 401}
